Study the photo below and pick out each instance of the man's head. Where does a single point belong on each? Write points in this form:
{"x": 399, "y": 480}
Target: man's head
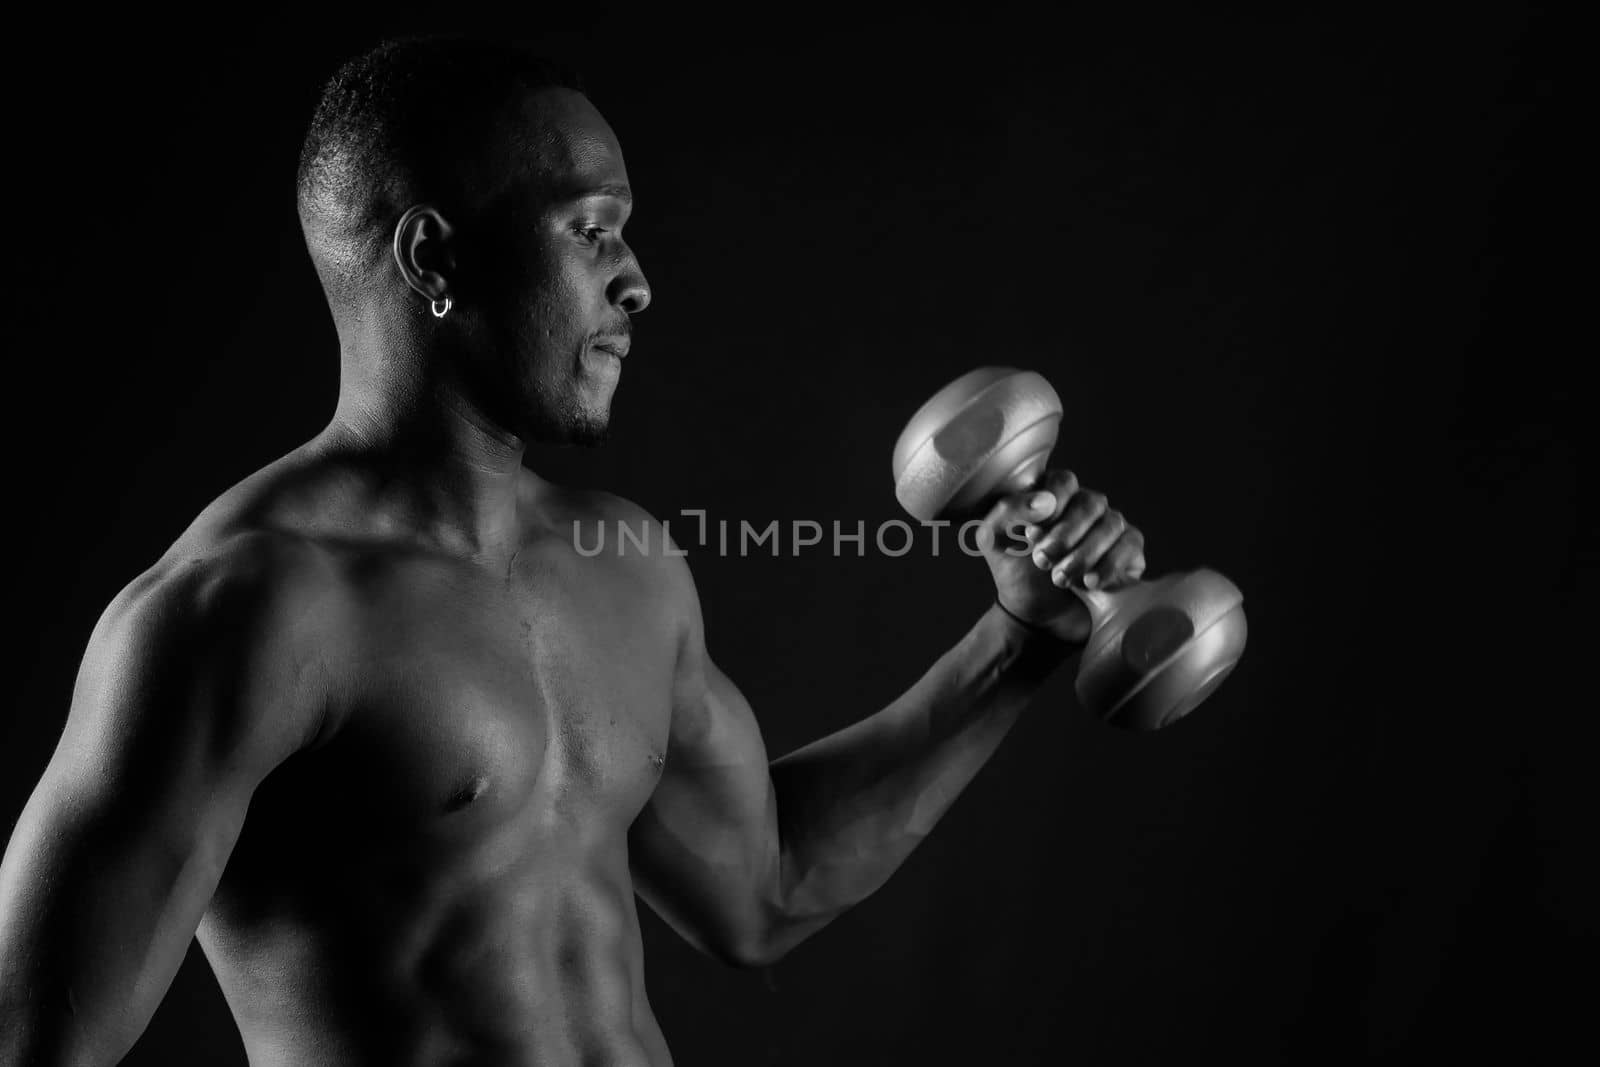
{"x": 474, "y": 170}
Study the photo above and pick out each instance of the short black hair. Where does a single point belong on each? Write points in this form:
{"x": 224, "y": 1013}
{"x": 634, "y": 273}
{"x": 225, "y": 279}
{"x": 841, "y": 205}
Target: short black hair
{"x": 414, "y": 118}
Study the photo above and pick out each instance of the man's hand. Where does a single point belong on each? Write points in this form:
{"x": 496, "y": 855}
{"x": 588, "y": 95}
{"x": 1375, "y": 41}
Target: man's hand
{"x": 1073, "y": 535}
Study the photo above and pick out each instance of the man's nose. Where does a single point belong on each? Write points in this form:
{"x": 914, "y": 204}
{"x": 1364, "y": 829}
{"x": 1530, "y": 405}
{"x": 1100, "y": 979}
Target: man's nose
{"x": 629, "y": 290}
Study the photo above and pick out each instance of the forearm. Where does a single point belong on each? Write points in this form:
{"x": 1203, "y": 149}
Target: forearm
{"x": 853, "y": 805}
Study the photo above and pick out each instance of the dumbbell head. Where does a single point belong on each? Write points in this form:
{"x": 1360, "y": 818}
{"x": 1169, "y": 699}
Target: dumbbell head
{"x": 989, "y": 431}
{"x": 1160, "y": 648}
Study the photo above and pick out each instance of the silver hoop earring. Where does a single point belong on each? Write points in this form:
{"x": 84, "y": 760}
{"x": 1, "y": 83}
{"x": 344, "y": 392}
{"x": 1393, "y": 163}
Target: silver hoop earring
{"x": 441, "y": 312}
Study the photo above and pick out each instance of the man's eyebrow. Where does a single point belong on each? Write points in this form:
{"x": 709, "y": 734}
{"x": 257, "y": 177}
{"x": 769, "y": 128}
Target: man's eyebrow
{"x": 620, "y": 192}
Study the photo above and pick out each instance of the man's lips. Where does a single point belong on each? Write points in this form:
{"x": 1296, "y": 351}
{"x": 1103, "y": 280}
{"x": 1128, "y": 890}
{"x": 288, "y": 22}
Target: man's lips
{"x": 617, "y": 346}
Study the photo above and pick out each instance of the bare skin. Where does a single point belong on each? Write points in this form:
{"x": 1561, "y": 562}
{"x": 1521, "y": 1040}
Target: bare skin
{"x": 459, "y": 887}
{"x": 400, "y": 757}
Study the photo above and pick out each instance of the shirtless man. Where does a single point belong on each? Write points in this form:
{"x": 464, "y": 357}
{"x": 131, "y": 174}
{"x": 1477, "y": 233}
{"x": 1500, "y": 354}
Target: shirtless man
{"x": 374, "y": 730}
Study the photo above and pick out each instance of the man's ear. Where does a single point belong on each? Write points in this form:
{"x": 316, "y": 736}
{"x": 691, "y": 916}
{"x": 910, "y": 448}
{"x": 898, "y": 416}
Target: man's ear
{"x": 424, "y": 250}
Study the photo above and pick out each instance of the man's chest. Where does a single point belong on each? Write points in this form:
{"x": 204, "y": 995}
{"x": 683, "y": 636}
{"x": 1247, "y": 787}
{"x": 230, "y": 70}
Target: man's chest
{"x": 461, "y": 697}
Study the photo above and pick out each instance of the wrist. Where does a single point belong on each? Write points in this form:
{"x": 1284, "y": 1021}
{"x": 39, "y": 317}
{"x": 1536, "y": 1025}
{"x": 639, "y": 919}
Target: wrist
{"x": 1035, "y": 630}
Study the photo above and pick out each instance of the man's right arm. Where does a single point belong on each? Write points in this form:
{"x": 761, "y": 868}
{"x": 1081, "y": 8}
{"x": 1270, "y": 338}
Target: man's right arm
{"x": 191, "y": 690}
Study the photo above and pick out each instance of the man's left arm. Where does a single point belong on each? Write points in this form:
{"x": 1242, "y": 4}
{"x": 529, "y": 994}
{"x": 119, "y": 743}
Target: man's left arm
{"x": 746, "y": 859}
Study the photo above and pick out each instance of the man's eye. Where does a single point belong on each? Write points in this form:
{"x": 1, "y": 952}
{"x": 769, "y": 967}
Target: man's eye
{"x": 590, "y": 234}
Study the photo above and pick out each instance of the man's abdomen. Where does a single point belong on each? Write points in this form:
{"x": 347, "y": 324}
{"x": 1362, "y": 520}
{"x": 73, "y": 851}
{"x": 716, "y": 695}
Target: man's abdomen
{"x": 535, "y": 963}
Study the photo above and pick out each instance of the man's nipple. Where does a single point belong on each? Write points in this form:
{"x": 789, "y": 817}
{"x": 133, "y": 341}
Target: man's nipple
{"x": 467, "y": 793}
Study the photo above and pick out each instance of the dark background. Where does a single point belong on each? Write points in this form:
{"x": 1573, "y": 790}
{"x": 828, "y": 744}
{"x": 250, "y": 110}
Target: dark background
{"x": 1300, "y": 284}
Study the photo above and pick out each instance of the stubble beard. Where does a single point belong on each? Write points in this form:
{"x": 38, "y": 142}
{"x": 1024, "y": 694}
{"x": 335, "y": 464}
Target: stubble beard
{"x": 590, "y": 431}
{"x": 576, "y": 424}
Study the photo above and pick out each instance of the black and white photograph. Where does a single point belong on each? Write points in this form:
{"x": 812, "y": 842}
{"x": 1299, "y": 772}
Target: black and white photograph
{"x": 777, "y": 539}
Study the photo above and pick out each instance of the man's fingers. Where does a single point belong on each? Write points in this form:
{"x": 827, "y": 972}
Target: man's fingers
{"x": 1018, "y": 518}
{"x": 1072, "y": 532}
{"x": 1076, "y": 521}
{"x": 1088, "y": 552}
{"x": 1122, "y": 563}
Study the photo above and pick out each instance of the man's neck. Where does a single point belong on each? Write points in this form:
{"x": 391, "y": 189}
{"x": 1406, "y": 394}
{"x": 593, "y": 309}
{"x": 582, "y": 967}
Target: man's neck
{"x": 439, "y": 469}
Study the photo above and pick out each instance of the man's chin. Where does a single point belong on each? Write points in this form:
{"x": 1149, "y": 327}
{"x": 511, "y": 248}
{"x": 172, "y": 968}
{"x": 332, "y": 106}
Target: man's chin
{"x": 589, "y": 436}
{"x": 579, "y": 433}
{"x": 574, "y": 427}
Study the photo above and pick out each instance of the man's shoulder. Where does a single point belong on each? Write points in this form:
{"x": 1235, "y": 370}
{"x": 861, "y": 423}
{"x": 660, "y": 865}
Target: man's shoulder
{"x": 611, "y": 525}
{"x": 237, "y": 592}
{"x": 271, "y": 536}
{"x": 220, "y": 630}
{"x": 240, "y": 568}
{"x": 238, "y": 584}
{"x": 246, "y": 551}
{"x": 615, "y": 509}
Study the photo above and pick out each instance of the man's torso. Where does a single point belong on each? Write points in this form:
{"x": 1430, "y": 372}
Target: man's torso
{"x": 442, "y": 877}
